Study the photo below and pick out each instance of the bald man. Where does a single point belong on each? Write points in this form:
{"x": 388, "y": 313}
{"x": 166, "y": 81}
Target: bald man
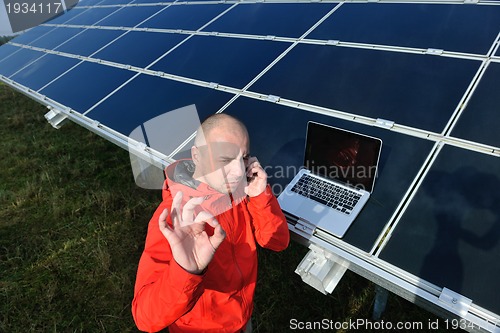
{"x": 199, "y": 266}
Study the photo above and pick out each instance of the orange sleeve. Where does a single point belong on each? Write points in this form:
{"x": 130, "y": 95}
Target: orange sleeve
{"x": 269, "y": 222}
{"x": 164, "y": 291}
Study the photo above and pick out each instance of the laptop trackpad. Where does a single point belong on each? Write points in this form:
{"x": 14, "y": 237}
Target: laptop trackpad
{"x": 312, "y": 211}
{"x": 324, "y": 217}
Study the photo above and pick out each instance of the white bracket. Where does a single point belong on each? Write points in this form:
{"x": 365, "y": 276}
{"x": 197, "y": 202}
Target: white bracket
{"x": 55, "y": 118}
{"x": 273, "y": 99}
{"x": 459, "y": 303}
{"x": 434, "y": 51}
{"x": 332, "y": 42}
{"x": 321, "y": 270}
{"x": 304, "y": 227}
{"x": 384, "y": 123}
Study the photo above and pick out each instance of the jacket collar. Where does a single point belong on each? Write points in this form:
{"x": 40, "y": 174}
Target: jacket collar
{"x": 179, "y": 177}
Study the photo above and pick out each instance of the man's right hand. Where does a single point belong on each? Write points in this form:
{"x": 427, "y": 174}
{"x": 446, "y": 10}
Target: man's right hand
{"x": 191, "y": 247}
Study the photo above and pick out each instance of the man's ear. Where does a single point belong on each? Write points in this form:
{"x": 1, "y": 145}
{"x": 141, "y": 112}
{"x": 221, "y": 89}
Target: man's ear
{"x": 195, "y": 155}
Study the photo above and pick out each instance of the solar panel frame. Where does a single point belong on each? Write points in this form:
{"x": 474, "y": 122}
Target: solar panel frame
{"x": 81, "y": 112}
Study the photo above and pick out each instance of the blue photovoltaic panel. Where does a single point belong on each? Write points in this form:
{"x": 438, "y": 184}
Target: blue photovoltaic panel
{"x": 6, "y": 52}
{"x": 278, "y": 138}
{"x": 220, "y": 60}
{"x": 69, "y": 15}
{"x": 286, "y": 20}
{"x": 480, "y": 121}
{"x": 22, "y": 58}
{"x": 130, "y": 16}
{"x": 115, "y": 2}
{"x": 90, "y": 17}
{"x": 89, "y": 41}
{"x": 90, "y": 2}
{"x": 413, "y": 90}
{"x": 148, "y": 46}
{"x": 415, "y": 25}
{"x": 31, "y": 35}
{"x": 152, "y": 1}
{"x": 450, "y": 235}
{"x": 185, "y": 17}
{"x": 55, "y": 37}
{"x": 158, "y": 96}
{"x": 86, "y": 85}
{"x": 41, "y": 72}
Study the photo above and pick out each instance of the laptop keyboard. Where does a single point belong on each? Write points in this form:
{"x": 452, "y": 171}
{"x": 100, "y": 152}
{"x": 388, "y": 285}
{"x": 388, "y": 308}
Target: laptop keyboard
{"x": 326, "y": 193}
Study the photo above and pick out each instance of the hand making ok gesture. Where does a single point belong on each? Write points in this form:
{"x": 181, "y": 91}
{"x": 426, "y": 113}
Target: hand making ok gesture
{"x": 191, "y": 247}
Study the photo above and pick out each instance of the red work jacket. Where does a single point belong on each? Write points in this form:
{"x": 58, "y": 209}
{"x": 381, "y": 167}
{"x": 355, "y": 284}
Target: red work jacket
{"x": 220, "y": 299}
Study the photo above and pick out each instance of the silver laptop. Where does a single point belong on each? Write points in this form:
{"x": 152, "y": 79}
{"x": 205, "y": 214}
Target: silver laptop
{"x": 338, "y": 177}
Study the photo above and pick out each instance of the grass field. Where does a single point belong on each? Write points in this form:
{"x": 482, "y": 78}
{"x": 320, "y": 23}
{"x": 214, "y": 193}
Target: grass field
{"x": 72, "y": 228}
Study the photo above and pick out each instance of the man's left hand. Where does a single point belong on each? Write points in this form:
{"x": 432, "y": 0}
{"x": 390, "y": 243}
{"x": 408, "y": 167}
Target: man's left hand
{"x": 257, "y": 178}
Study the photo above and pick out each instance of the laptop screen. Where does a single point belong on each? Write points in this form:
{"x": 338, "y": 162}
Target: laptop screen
{"x": 342, "y": 155}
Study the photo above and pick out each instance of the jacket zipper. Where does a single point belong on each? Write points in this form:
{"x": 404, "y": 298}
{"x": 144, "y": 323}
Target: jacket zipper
{"x": 243, "y": 300}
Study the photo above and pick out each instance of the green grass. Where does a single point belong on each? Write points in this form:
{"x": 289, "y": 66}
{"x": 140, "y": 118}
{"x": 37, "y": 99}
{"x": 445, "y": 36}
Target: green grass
{"x": 72, "y": 228}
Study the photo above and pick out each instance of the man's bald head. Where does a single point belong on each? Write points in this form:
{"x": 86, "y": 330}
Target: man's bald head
{"x": 220, "y": 152}
{"x": 216, "y": 123}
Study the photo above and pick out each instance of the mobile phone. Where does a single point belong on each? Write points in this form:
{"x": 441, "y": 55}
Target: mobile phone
{"x": 249, "y": 179}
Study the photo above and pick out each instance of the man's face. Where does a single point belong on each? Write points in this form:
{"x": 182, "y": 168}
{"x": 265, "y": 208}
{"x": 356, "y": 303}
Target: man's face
{"x": 222, "y": 161}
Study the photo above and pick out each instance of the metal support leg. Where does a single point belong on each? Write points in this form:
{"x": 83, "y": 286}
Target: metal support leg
{"x": 380, "y": 303}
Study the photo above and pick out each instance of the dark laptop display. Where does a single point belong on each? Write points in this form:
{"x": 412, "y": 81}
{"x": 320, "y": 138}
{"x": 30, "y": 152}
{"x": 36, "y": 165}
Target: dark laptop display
{"x": 341, "y": 155}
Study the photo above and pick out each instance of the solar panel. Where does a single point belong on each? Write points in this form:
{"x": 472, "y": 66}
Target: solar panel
{"x": 436, "y": 26}
{"x": 273, "y": 19}
{"x": 156, "y": 98}
{"x": 450, "y": 234}
{"x": 44, "y": 70}
{"x": 18, "y": 59}
{"x": 148, "y": 47}
{"x": 477, "y": 123}
{"x": 53, "y": 37}
{"x": 130, "y": 16}
{"x": 405, "y": 88}
{"x": 185, "y": 17}
{"x": 221, "y": 60}
{"x": 422, "y": 76}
